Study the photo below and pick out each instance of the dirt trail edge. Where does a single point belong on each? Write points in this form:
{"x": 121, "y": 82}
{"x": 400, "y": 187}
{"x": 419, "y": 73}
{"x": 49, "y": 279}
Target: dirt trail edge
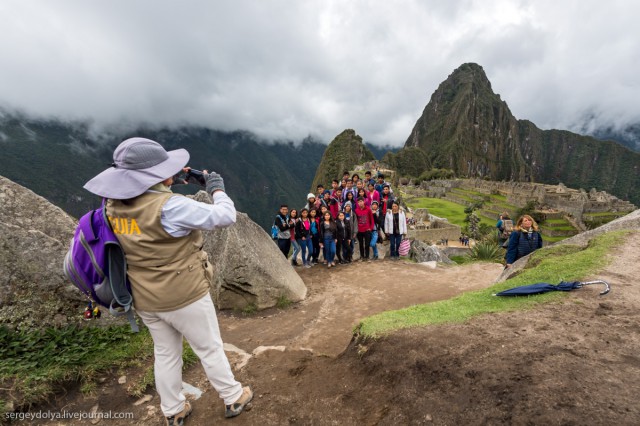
{"x": 572, "y": 362}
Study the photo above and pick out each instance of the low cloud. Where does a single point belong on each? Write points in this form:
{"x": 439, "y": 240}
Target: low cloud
{"x": 286, "y": 70}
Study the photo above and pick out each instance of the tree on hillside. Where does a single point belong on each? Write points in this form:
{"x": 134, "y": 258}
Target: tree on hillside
{"x": 409, "y": 161}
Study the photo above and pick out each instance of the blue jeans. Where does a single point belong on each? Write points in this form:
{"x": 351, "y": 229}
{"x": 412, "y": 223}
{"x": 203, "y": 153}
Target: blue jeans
{"x": 307, "y": 247}
{"x": 284, "y": 244}
{"x": 329, "y": 249}
{"x": 296, "y": 249}
{"x": 394, "y": 240}
{"x": 316, "y": 247}
{"x": 374, "y": 240}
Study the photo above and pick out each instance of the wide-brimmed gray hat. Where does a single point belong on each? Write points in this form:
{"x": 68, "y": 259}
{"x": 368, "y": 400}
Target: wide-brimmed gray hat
{"x": 138, "y": 164}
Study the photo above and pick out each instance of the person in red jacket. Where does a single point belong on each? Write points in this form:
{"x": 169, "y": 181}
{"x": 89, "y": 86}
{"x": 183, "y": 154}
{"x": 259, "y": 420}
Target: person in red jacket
{"x": 364, "y": 217}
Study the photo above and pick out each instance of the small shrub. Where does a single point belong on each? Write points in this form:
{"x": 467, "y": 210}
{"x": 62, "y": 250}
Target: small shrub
{"x": 460, "y": 260}
{"x": 488, "y": 251}
{"x": 251, "y": 308}
{"x": 283, "y": 302}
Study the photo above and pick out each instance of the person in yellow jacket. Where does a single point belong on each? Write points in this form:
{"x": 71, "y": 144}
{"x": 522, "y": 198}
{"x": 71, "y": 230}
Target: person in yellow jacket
{"x": 170, "y": 274}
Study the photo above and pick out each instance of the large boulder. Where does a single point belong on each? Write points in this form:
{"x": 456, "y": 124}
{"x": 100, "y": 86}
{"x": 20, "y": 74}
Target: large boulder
{"x": 422, "y": 252}
{"x": 249, "y": 269}
{"x": 34, "y": 237}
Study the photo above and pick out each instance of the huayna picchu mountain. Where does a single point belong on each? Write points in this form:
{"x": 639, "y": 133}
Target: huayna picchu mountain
{"x": 342, "y": 154}
{"x": 466, "y": 127}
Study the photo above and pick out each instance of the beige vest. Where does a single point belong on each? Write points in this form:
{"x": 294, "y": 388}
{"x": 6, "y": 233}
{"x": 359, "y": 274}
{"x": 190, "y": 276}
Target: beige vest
{"x": 166, "y": 273}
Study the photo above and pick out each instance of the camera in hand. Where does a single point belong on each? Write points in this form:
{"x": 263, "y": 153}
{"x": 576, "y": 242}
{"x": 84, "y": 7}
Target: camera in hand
{"x": 192, "y": 176}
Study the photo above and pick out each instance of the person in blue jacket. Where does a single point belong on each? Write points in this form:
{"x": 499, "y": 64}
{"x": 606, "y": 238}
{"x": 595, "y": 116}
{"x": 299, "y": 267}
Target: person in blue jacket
{"x": 524, "y": 240}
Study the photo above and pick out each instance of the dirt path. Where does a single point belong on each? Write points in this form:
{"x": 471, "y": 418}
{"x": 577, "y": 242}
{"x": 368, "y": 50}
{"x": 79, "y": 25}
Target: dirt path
{"x": 339, "y": 297}
{"x": 573, "y": 362}
{"x": 320, "y": 327}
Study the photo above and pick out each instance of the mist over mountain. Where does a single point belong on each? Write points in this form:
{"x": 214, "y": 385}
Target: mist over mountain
{"x": 628, "y": 136}
{"x": 467, "y": 128}
{"x": 55, "y": 159}
{"x": 379, "y": 151}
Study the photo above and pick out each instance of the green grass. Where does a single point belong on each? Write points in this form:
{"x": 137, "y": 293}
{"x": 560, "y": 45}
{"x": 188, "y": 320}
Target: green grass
{"x": 283, "y": 302}
{"x": 556, "y": 222}
{"x": 562, "y": 228}
{"x": 605, "y": 214}
{"x": 552, "y": 265}
{"x": 547, "y": 239}
{"x": 35, "y": 363}
{"x": 461, "y": 260}
{"x": 454, "y": 212}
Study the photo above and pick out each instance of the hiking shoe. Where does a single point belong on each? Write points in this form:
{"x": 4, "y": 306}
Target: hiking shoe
{"x": 178, "y": 419}
{"x": 237, "y": 407}
{"x": 308, "y": 265}
{"x": 375, "y": 257}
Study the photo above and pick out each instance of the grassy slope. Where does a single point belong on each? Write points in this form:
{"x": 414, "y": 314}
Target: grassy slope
{"x": 454, "y": 212}
{"x": 35, "y": 363}
{"x": 552, "y": 265}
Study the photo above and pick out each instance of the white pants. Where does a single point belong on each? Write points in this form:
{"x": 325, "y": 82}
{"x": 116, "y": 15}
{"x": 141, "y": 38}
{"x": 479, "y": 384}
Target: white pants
{"x": 198, "y": 323}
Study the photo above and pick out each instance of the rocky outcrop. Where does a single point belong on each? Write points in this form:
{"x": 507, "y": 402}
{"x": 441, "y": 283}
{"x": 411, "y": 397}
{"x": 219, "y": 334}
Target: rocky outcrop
{"x": 249, "y": 269}
{"x": 422, "y": 252}
{"x": 34, "y": 237}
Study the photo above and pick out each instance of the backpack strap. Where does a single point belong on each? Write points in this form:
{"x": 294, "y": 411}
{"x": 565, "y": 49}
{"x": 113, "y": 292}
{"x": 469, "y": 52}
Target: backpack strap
{"x": 122, "y": 302}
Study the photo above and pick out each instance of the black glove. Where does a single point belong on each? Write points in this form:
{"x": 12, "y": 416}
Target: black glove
{"x": 214, "y": 183}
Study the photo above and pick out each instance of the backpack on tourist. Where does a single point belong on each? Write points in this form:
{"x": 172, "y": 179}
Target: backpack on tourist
{"x": 96, "y": 264}
{"x": 507, "y": 229}
{"x": 274, "y": 230}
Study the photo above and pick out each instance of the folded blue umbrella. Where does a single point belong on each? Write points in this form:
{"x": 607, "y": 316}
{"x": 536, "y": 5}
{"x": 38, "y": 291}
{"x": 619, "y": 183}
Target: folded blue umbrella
{"x": 538, "y": 288}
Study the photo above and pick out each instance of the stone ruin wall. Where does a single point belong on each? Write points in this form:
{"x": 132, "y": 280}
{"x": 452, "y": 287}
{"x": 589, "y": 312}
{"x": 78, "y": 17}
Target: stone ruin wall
{"x": 436, "y": 229}
{"x": 452, "y": 233}
{"x": 573, "y": 201}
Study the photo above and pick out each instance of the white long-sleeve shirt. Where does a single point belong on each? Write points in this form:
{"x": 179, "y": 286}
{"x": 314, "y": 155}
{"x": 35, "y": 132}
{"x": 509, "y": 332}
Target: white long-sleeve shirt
{"x": 181, "y": 215}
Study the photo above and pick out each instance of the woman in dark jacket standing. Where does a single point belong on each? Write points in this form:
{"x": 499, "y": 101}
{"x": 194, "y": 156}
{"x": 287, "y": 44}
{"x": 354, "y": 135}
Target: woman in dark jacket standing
{"x": 328, "y": 234}
{"x": 343, "y": 244}
{"x": 524, "y": 240}
{"x": 304, "y": 238}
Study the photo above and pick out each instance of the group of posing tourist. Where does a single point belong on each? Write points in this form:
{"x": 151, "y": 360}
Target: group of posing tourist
{"x": 354, "y": 209}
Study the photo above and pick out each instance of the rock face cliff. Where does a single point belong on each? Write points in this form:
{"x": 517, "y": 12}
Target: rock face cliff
{"x": 345, "y": 151}
{"x": 34, "y": 237}
{"x": 249, "y": 269}
{"x": 468, "y": 128}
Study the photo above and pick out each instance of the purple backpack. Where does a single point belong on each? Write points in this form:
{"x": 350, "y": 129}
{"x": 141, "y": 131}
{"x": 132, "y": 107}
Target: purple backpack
{"x": 96, "y": 264}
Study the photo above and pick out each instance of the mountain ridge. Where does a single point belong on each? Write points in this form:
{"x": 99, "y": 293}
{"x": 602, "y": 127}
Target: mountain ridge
{"x": 468, "y": 128}
{"x": 55, "y": 159}
{"x": 344, "y": 151}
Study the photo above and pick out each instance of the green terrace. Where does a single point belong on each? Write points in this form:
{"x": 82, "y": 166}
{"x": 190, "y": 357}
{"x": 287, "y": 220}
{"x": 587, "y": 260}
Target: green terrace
{"x": 554, "y": 229}
{"x": 593, "y": 220}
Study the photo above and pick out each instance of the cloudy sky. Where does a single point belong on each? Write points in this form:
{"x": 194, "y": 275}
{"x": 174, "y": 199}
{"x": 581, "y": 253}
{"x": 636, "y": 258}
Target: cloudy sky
{"x": 289, "y": 69}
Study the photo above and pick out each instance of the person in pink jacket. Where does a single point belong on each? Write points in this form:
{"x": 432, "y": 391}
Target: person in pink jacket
{"x": 373, "y": 194}
{"x": 364, "y": 217}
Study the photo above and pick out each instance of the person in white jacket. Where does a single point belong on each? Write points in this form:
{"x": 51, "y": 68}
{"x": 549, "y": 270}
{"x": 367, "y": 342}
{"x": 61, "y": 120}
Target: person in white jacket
{"x": 170, "y": 274}
{"x": 395, "y": 226}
